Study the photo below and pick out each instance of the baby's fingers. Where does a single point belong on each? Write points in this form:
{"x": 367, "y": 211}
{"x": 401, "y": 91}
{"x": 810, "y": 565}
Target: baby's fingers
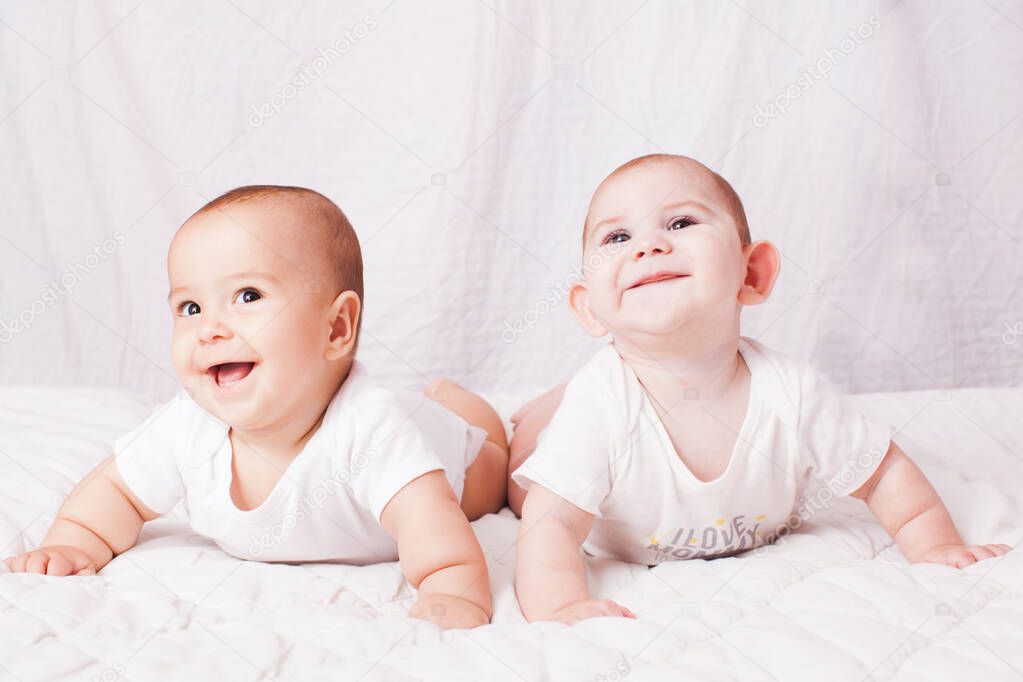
{"x": 59, "y": 565}
{"x": 988, "y": 551}
{"x": 961, "y": 558}
{"x": 17, "y": 563}
{"x": 980, "y": 552}
{"x": 608, "y": 607}
{"x": 37, "y": 562}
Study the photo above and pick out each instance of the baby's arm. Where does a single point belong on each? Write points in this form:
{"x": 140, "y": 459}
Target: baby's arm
{"x": 909, "y": 508}
{"x": 439, "y": 553}
{"x": 99, "y": 519}
{"x": 550, "y": 579}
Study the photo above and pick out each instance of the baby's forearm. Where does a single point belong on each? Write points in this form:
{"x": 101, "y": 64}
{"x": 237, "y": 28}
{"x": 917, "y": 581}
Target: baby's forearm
{"x": 69, "y": 532}
{"x": 909, "y": 507}
{"x": 440, "y": 555}
{"x": 929, "y": 529}
{"x": 544, "y": 590}
{"x": 549, "y": 570}
{"x": 97, "y": 517}
{"x": 468, "y": 581}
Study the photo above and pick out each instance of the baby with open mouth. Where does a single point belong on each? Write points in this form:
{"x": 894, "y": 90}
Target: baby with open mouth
{"x": 682, "y": 439}
{"x": 281, "y": 445}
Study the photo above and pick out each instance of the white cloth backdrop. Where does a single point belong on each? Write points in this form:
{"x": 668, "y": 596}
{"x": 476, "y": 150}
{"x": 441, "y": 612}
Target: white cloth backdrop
{"x": 464, "y": 137}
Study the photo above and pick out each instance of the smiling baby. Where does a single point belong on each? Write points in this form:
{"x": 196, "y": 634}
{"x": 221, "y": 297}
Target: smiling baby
{"x": 280, "y": 445}
{"x": 682, "y": 439}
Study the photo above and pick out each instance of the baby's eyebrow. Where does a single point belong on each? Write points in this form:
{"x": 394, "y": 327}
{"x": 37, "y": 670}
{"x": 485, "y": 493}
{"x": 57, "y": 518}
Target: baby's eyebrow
{"x": 251, "y": 274}
{"x": 684, "y": 204}
{"x": 596, "y": 228}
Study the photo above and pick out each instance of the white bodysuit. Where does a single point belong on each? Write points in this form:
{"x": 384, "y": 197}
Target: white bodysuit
{"x": 606, "y": 451}
{"x": 327, "y": 504}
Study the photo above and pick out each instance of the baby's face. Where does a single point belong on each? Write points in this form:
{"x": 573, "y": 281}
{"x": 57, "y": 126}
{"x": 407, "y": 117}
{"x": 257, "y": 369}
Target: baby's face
{"x": 662, "y": 249}
{"x": 251, "y": 319}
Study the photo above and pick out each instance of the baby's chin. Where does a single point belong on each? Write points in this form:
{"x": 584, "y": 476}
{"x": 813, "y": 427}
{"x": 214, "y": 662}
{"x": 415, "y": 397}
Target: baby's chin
{"x": 239, "y": 414}
{"x": 655, "y": 320}
{"x": 659, "y": 329}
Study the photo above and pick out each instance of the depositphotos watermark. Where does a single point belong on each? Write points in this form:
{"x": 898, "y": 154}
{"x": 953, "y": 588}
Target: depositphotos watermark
{"x": 311, "y": 71}
{"x": 620, "y": 671}
{"x": 309, "y": 503}
{"x": 811, "y": 74}
{"x": 114, "y": 671}
{"x": 557, "y": 291}
{"x": 1012, "y": 332}
{"x": 822, "y": 497}
{"x": 62, "y": 286}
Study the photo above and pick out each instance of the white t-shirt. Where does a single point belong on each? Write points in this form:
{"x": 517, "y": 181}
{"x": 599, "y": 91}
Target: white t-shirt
{"x": 327, "y": 504}
{"x": 606, "y": 451}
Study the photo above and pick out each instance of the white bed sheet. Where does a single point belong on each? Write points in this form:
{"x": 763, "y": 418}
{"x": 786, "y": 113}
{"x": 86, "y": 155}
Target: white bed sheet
{"x": 834, "y": 601}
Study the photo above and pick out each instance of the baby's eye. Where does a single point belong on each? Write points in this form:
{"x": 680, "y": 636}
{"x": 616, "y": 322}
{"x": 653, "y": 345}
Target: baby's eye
{"x": 679, "y": 223}
{"x": 616, "y": 237}
{"x": 188, "y": 309}
{"x": 247, "y": 296}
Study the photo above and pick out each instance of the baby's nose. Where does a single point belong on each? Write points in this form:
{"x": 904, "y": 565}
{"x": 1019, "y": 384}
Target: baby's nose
{"x": 212, "y": 329}
{"x": 648, "y": 246}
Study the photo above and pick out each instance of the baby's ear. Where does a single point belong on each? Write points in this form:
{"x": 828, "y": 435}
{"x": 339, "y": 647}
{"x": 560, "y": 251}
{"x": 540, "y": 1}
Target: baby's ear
{"x": 763, "y": 262}
{"x": 344, "y": 321}
{"x": 579, "y": 300}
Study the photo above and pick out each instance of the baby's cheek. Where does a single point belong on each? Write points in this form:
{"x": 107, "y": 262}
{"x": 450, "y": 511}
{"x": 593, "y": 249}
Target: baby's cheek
{"x": 603, "y": 293}
{"x": 726, "y": 272}
{"x": 180, "y": 356}
{"x": 296, "y": 340}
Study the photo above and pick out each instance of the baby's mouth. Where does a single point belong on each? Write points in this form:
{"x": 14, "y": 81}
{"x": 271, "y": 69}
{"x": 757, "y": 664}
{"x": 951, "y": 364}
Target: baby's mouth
{"x": 230, "y": 373}
{"x": 656, "y": 277}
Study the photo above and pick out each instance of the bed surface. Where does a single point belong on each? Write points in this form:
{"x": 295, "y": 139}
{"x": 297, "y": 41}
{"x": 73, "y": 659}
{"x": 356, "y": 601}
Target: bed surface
{"x": 836, "y": 600}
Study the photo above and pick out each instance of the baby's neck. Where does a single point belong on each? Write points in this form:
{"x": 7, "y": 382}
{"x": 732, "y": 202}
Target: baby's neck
{"x": 279, "y": 443}
{"x": 667, "y": 367}
{"x": 282, "y": 441}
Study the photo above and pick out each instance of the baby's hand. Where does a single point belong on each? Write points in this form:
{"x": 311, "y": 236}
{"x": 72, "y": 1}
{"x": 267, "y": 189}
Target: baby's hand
{"x": 961, "y": 556}
{"x": 590, "y": 608}
{"x": 53, "y": 560}
{"x": 447, "y": 611}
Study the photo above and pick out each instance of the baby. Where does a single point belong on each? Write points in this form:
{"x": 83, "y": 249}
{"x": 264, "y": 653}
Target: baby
{"x": 281, "y": 445}
{"x": 682, "y": 439}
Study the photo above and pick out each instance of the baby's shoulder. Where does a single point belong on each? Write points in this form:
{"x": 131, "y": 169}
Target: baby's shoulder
{"x": 179, "y": 427}
{"x": 606, "y": 391}
{"x": 780, "y": 376}
{"x": 363, "y": 412}
{"x": 604, "y": 375}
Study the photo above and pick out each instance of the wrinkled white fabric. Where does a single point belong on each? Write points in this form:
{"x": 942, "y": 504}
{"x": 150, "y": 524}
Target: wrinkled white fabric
{"x": 833, "y": 600}
{"x": 464, "y": 138}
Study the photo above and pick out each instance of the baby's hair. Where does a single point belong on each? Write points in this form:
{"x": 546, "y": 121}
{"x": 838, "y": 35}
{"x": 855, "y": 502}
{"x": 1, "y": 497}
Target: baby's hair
{"x": 331, "y": 234}
{"x": 732, "y": 202}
